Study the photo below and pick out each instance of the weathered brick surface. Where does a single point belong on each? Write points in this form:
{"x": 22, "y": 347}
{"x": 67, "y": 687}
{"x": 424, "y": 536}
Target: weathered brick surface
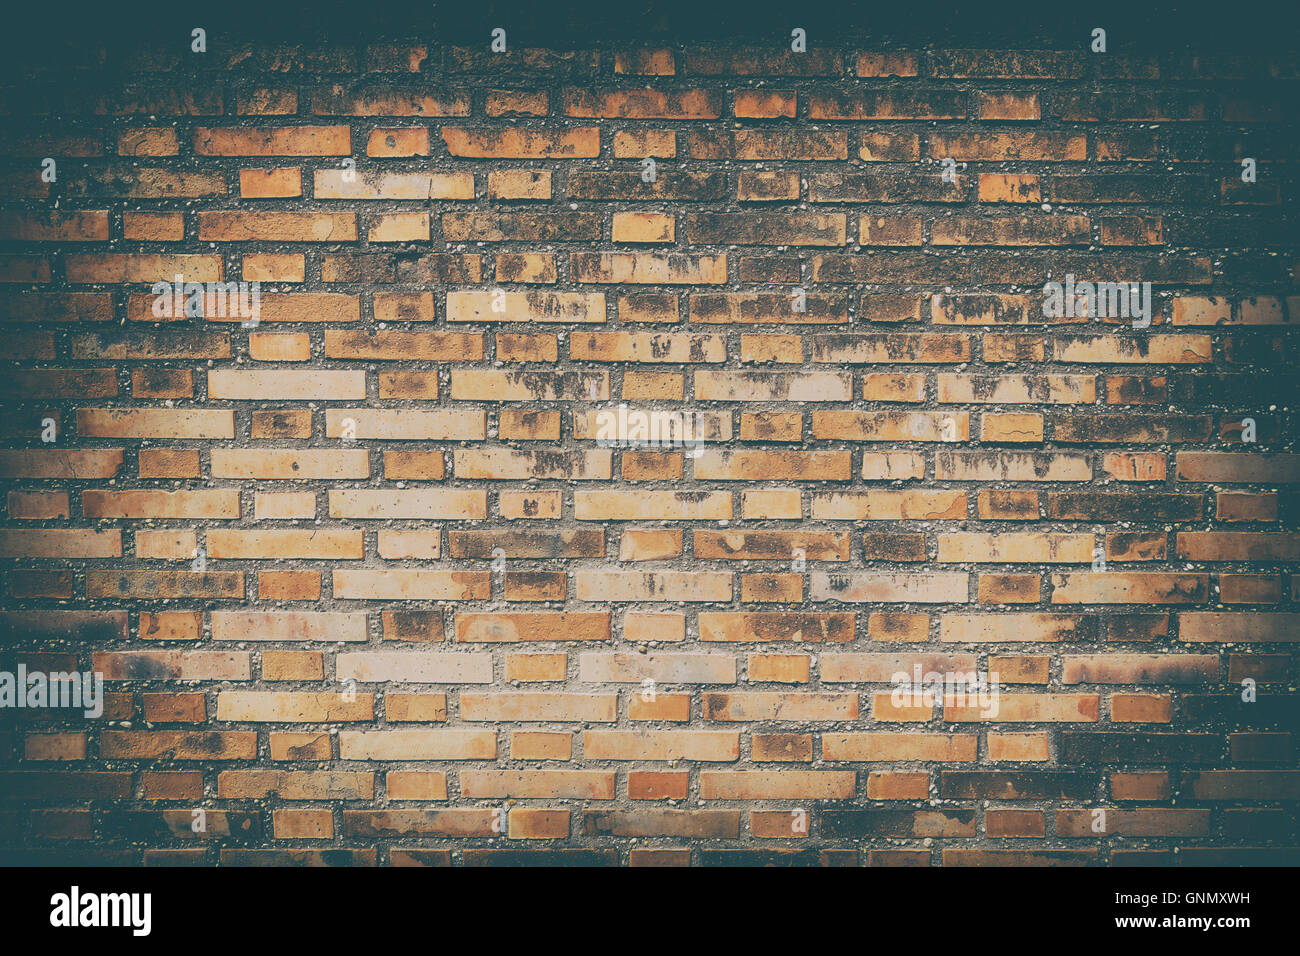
{"x": 367, "y": 585}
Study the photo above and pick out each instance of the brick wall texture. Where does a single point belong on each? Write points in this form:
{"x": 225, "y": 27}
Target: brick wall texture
{"x": 369, "y": 583}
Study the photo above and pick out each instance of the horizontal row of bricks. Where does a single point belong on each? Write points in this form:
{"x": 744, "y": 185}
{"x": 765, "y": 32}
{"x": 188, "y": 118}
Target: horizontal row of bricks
{"x": 1214, "y": 786}
{"x": 700, "y": 229}
{"x": 591, "y": 385}
{"x": 991, "y": 504}
{"x": 623, "y": 268}
{"x": 899, "y": 346}
{"x": 1138, "y": 145}
{"x": 645, "y": 544}
{"x": 1246, "y": 103}
{"x": 534, "y": 585}
{"x": 235, "y": 55}
{"x": 831, "y": 627}
{"x": 628, "y": 268}
{"x": 820, "y": 102}
{"x": 674, "y": 586}
{"x": 993, "y": 190}
{"x": 543, "y": 823}
{"x": 671, "y": 857}
{"x": 764, "y": 144}
{"x": 805, "y": 708}
{"x": 83, "y": 464}
{"x": 507, "y": 461}
{"x": 330, "y": 707}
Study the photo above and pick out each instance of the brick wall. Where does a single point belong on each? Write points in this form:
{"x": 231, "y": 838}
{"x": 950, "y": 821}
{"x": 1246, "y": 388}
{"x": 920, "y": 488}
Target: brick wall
{"x": 367, "y": 585}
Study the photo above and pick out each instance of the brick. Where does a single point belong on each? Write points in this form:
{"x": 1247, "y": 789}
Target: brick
{"x": 776, "y": 784}
{"x": 1009, "y": 106}
{"x": 270, "y": 183}
{"x": 644, "y": 143}
{"x": 764, "y": 104}
{"x": 521, "y": 144}
{"x": 1122, "y": 588}
{"x": 642, "y": 104}
{"x": 272, "y": 141}
{"x": 1009, "y": 188}
{"x": 292, "y": 666}
{"x": 886, "y": 106}
{"x": 277, "y": 227}
{"x": 1009, "y": 145}
{"x": 643, "y": 227}
{"x": 519, "y": 184}
{"x": 935, "y": 588}
{"x": 1024, "y": 748}
{"x": 891, "y": 63}
{"x": 639, "y": 268}
{"x": 398, "y": 142}
{"x": 332, "y": 184}
{"x": 151, "y": 423}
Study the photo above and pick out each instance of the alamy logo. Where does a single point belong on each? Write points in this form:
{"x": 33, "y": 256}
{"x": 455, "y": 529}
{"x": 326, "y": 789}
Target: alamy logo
{"x": 36, "y": 690}
{"x": 74, "y": 909}
{"x": 657, "y": 428}
{"x": 1101, "y": 300}
{"x": 213, "y": 300}
{"x": 952, "y": 688}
